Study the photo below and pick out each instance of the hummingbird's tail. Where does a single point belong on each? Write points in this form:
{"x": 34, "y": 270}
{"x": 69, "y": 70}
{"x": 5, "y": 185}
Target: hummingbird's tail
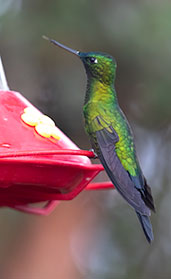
{"x": 146, "y": 226}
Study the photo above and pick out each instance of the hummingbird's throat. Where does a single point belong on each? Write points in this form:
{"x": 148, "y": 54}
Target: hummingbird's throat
{"x": 99, "y": 92}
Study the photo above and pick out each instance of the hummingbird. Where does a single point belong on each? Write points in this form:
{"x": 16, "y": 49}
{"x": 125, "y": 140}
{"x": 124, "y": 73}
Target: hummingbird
{"x": 111, "y": 136}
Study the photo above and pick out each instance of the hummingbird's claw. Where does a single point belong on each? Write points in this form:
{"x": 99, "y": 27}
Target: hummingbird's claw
{"x": 95, "y": 154}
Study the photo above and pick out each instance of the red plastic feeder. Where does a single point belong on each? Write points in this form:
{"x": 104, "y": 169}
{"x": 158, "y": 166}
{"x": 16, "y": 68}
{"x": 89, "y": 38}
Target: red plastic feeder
{"x": 38, "y": 163}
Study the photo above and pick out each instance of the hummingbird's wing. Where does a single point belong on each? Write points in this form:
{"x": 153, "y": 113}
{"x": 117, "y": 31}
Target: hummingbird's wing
{"x": 106, "y": 139}
{"x": 145, "y": 190}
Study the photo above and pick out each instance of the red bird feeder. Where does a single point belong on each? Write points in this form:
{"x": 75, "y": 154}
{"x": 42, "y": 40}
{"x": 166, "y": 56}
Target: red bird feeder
{"x": 38, "y": 163}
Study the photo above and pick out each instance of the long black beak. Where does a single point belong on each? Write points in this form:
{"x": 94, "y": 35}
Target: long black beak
{"x": 76, "y": 52}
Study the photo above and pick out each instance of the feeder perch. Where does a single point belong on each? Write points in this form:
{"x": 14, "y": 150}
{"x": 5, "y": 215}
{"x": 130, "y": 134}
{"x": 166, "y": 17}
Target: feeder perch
{"x": 38, "y": 162}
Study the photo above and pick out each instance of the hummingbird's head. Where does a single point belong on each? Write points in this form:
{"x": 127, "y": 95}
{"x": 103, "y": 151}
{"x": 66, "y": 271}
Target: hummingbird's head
{"x": 99, "y": 65}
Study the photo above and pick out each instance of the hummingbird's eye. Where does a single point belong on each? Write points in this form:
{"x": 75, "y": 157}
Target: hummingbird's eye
{"x": 92, "y": 60}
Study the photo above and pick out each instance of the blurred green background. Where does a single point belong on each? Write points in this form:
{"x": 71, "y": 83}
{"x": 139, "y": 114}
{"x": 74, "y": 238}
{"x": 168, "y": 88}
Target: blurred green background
{"x": 97, "y": 235}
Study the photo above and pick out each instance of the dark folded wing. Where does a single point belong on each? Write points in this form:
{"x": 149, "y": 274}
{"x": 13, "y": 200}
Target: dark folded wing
{"x": 106, "y": 140}
{"x": 145, "y": 190}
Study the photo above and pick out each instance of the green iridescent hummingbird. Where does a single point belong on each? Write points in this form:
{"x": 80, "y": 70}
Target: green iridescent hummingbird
{"x": 111, "y": 136}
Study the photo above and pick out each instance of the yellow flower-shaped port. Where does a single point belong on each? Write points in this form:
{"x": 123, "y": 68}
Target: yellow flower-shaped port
{"x": 43, "y": 124}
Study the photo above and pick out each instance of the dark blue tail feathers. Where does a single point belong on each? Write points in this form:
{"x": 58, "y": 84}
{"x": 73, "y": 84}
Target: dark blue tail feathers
{"x": 146, "y": 226}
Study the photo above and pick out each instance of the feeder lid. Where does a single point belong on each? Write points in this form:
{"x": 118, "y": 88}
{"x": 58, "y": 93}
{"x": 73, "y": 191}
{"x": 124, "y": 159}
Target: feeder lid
{"x": 25, "y": 128}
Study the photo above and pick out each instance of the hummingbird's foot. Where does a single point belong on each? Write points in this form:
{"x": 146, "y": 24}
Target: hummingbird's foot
{"x": 95, "y": 154}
